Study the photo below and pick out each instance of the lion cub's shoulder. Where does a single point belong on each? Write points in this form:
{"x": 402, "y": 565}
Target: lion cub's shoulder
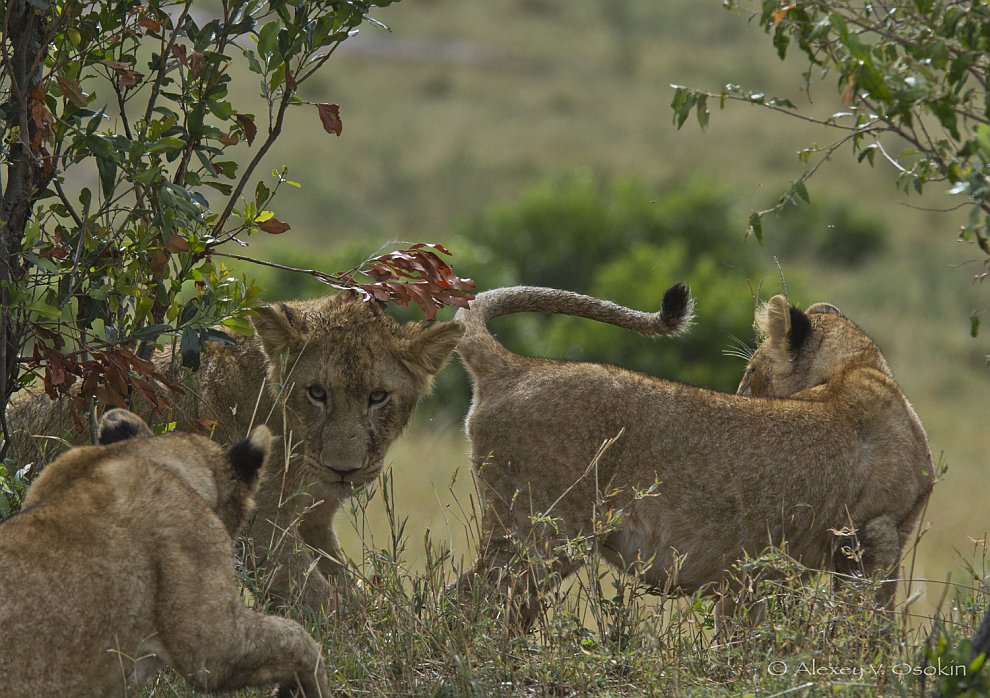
{"x": 174, "y": 472}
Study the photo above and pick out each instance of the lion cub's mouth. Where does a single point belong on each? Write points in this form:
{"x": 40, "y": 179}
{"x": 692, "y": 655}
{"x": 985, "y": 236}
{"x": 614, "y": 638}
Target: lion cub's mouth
{"x": 353, "y": 478}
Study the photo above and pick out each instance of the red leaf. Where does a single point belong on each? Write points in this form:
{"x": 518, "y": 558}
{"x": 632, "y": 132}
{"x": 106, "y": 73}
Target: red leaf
{"x": 150, "y": 24}
{"x": 179, "y": 51}
{"x": 423, "y": 300}
{"x": 157, "y": 264}
{"x": 119, "y": 66}
{"x": 71, "y": 91}
{"x": 247, "y": 123}
{"x": 330, "y": 116}
{"x": 177, "y": 244}
{"x": 273, "y": 226}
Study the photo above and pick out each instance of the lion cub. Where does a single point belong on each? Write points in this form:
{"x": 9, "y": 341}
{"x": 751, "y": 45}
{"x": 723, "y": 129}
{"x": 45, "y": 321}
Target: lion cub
{"x": 337, "y": 383}
{"x": 691, "y": 479}
{"x": 822, "y": 356}
{"x": 121, "y": 563}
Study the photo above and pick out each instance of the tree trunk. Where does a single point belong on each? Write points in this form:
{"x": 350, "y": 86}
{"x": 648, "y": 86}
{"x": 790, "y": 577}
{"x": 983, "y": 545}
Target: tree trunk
{"x": 28, "y": 170}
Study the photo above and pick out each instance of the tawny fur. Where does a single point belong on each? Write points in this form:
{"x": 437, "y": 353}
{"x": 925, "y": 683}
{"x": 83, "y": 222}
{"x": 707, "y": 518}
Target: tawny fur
{"x": 724, "y": 475}
{"x": 121, "y": 562}
{"x": 323, "y": 451}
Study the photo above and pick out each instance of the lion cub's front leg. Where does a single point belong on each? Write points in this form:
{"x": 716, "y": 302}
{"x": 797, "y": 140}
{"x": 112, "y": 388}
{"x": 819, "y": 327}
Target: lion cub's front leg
{"x": 517, "y": 567}
{"x": 331, "y": 561}
{"x": 296, "y": 557}
{"x": 218, "y": 644}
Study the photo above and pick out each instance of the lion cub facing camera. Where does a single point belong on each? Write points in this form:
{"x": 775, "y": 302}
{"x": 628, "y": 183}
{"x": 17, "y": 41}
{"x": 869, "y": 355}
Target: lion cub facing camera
{"x": 121, "y": 563}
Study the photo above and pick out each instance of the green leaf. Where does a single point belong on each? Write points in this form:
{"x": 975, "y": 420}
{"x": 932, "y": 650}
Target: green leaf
{"x": 756, "y": 226}
{"x": 801, "y": 190}
{"x": 240, "y": 325}
{"x": 44, "y": 310}
{"x": 166, "y": 145}
{"x": 974, "y": 325}
{"x": 151, "y": 331}
{"x": 838, "y": 22}
{"x": 221, "y": 109}
{"x": 190, "y": 347}
{"x": 210, "y": 334}
{"x": 702, "y": 111}
{"x": 253, "y": 64}
{"x": 683, "y": 102}
{"x": 222, "y": 187}
{"x": 267, "y": 39}
{"x": 261, "y": 193}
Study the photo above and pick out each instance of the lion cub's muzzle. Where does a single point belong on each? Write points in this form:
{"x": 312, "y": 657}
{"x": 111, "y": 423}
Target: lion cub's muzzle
{"x": 353, "y": 476}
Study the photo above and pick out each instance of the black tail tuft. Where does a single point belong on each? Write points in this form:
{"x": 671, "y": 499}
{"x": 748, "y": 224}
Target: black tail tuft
{"x": 676, "y": 304}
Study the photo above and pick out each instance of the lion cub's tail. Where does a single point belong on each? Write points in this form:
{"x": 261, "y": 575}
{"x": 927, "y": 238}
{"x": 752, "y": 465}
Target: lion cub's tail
{"x": 479, "y": 349}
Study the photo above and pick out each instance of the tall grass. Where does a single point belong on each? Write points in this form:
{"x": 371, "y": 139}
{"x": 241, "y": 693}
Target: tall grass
{"x": 606, "y": 633}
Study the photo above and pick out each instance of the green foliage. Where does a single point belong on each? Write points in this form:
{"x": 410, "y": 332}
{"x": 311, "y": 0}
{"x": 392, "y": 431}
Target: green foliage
{"x": 124, "y": 180}
{"x": 827, "y": 234}
{"x": 915, "y": 70}
{"x": 13, "y": 484}
{"x": 626, "y": 244}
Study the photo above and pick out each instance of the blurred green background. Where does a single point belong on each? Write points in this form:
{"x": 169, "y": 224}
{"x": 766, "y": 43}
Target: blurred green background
{"x": 534, "y": 139}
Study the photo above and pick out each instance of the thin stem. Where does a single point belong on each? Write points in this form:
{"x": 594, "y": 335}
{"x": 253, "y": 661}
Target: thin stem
{"x": 273, "y": 134}
{"x": 316, "y": 273}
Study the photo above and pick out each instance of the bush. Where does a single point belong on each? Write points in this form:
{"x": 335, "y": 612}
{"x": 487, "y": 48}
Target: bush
{"x": 829, "y": 234}
{"x": 625, "y": 244}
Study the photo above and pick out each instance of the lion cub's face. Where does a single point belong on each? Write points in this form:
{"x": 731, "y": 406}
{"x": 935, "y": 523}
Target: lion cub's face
{"x": 802, "y": 350}
{"x": 350, "y": 379}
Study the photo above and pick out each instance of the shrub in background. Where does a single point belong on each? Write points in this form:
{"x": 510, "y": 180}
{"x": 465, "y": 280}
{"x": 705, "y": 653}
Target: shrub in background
{"x": 622, "y": 242}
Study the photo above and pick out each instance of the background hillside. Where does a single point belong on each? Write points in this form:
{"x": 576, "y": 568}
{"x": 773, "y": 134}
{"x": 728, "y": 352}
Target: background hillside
{"x": 471, "y": 121}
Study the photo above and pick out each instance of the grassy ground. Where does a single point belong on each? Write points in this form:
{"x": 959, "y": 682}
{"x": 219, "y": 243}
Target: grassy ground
{"x": 606, "y": 634}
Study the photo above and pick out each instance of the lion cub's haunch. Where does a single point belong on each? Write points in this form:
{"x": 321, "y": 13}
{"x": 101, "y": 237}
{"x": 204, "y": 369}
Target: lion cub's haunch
{"x": 121, "y": 562}
{"x": 722, "y": 475}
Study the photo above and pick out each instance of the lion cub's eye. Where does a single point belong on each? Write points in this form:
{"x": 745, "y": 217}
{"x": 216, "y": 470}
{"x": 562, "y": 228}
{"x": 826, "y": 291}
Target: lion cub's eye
{"x": 377, "y": 397}
{"x": 316, "y": 393}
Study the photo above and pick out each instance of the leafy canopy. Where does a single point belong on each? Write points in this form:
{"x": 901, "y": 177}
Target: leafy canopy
{"x": 128, "y": 170}
{"x": 912, "y": 77}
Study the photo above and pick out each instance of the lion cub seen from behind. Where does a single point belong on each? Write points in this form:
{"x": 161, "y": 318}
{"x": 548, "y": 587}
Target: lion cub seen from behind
{"x": 121, "y": 563}
{"x": 726, "y": 474}
{"x": 820, "y": 355}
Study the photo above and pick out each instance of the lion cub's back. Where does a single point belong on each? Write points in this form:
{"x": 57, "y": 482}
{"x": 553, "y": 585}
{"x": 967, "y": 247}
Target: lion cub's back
{"x": 77, "y": 573}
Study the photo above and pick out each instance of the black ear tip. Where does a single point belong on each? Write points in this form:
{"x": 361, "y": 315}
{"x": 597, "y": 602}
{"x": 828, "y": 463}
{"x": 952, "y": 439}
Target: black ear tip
{"x": 675, "y": 302}
{"x": 120, "y": 425}
{"x": 800, "y": 329}
{"x": 246, "y": 457}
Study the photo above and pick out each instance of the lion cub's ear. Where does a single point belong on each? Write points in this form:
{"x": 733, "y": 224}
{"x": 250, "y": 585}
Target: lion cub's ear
{"x": 785, "y": 324}
{"x": 248, "y": 456}
{"x": 280, "y": 328}
{"x": 119, "y": 425}
{"x": 430, "y": 345}
{"x": 823, "y": 308}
